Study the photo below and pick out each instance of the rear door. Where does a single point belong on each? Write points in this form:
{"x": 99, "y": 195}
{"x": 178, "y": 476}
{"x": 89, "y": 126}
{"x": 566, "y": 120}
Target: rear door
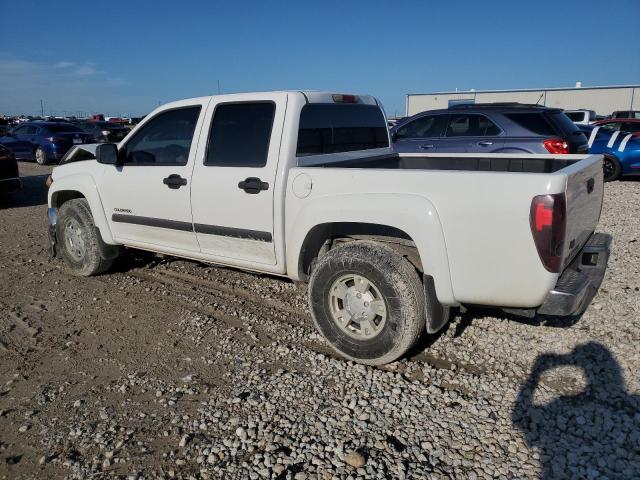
{"x": 471, "y": 132}
{"x": 147, "y": 198}
{"x": 422, "y": 135}
{"x": 234, "y": 177}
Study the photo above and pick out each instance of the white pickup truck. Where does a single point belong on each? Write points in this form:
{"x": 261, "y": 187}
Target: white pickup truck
{"x": 304, "y": 185}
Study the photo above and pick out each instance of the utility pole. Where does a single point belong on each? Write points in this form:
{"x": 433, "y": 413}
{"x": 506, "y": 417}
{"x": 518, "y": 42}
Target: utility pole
{"x": 218, "y": 87}
{"x": 41, "y": 108}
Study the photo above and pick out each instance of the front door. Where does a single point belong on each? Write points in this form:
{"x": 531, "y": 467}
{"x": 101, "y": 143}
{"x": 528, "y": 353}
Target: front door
{"x": 422, "y": 135}
{"x": 147, "y": 197}
{"x": 234, "y": 178}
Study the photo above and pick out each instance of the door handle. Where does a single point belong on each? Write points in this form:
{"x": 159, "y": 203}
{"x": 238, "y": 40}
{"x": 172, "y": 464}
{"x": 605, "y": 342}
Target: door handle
{"x": 174, "y": 181}
{"x": 426, "y": 146}
{"x": 253, "y": 185}
{"x": 485, "y": 143}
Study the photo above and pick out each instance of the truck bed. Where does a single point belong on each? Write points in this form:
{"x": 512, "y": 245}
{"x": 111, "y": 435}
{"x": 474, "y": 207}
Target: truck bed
{"x": 480, "y": 203}
{"x": 468, "y": 162}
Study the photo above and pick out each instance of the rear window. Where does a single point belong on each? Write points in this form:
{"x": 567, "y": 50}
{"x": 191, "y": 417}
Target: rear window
{"x": 575, "y": 116}
{"x": 332, "y": 128}
{"x": 534, "y": 122}
{"x": 63, "y": 127}
{"x": 564, "y": 123}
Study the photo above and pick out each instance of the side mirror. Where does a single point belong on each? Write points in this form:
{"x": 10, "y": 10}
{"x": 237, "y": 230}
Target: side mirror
{"x": 107, "y": 153}
{"x": 394, "y": 136}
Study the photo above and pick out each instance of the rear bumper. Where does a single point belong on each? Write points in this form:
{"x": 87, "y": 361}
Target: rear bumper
{"x": 580, "y": 281}
{"x": 10, "y": 185}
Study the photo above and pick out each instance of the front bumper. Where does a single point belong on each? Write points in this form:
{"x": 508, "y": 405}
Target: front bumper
{"x": 10, "y": 185}
{"x": 580, "y": 281}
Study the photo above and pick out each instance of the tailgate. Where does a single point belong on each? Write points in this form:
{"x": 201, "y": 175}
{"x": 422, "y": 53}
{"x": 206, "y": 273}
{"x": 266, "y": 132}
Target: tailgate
{"x": 584, "y": 193}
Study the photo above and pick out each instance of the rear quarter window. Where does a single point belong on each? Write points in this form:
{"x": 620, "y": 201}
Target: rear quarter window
{"x": 534, "y": 122}
{"x": 333, "y": 128}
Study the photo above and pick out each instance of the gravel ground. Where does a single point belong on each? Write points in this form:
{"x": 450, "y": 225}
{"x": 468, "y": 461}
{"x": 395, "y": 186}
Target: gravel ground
{"x": 173, "y": 369}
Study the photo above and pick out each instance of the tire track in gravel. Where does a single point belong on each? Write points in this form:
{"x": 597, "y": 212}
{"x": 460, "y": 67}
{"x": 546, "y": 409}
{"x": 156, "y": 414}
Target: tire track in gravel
{"x": 219, "y": 292}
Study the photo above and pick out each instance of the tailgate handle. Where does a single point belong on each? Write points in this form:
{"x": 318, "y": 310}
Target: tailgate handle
{"x": 590, "y": 184}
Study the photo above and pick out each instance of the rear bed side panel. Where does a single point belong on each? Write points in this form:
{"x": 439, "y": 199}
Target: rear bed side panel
{"x": 484, "y": 251}
{"x": 413, "y": 214}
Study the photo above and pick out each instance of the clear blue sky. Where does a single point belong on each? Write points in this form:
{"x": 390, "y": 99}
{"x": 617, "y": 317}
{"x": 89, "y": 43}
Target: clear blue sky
{"x": 125, "y": 56}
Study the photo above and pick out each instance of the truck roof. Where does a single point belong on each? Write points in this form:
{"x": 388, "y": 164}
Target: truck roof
{"x": 311, "y": 96}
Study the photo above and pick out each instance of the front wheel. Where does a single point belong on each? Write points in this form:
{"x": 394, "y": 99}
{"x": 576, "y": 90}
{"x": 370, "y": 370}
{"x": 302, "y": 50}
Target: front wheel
{"x": 79, "y": 240}
{"x": 368, "y": 302}
{"x": 611, "y": 168}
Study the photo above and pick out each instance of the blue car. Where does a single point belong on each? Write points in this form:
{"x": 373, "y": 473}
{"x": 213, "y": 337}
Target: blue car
{"x": 621, "y": 150}
{"x": 44, "y": 142}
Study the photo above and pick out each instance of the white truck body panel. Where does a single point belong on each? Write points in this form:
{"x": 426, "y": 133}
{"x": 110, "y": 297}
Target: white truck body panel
{"x": 471, "y": 228}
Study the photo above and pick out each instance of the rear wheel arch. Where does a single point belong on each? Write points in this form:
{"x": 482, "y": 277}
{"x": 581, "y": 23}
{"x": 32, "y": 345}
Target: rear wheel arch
{"x": 323, "y": 237}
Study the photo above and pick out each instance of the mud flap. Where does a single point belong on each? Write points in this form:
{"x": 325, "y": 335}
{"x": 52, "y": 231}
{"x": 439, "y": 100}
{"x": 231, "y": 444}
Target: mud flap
{"x": 436, "y": 313}
{"x": 52, "y": 242}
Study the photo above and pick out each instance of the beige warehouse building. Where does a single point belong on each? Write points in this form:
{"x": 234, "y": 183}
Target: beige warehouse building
{"x": 603, "y": 100}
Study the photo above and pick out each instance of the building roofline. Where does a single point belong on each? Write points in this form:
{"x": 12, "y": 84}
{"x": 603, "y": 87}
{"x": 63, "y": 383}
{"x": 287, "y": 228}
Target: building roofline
{"x": 551, "y": 89}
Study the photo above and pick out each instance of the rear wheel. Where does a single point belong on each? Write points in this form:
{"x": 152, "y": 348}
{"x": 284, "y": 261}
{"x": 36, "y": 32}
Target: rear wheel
{"x": 79, "y": 241}
{"x": 611, "y": 168}
{"x": 368, "y": 302}
{"x": 41, "y": 156}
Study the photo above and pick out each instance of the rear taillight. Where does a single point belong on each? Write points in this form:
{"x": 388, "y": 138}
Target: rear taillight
{"x": 556, "y": 145}
{"x": 548, "y": 221}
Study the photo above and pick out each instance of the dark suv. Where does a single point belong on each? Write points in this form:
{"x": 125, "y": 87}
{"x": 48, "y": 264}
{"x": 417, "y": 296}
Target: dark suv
{"x": 489, "y": 128}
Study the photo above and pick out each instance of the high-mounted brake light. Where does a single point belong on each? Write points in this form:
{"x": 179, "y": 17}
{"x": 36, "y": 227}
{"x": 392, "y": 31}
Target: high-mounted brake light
{"x": 342, "y": 98}
{"x": 556, "y": 146}
{"x": 548, "y": 220}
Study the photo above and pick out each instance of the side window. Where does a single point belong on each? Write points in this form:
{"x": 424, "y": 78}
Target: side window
{"x": 164, "y": 140}
{"x": 240, "y": 134}
{"x": 533, "y": 122}
{"x": 471, "y": 126}
{"x": 32, "y": 130}
{"x": 20, "y": 130}
{"x": 427, "y": 126}
{"x": 631, "y": 127}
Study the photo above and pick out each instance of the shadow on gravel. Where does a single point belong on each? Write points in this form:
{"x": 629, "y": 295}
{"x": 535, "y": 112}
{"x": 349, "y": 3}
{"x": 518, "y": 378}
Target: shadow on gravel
{"x": 591, "y": 434}
{"x": 32, "y": 193}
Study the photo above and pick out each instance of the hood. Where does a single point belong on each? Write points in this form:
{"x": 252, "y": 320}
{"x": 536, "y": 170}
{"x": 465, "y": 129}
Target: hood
{"x": 79, "y": 153}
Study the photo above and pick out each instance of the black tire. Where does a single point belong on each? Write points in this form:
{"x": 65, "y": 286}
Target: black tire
{"x": 75, "y": 216}
{"x": 41, "y": 156}
{"x": 397, "y": 282}
{"x": 611, "y": 168}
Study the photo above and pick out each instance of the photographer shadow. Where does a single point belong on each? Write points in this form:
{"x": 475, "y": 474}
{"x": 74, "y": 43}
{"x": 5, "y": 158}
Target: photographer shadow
{"x": 592, "y": 434}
